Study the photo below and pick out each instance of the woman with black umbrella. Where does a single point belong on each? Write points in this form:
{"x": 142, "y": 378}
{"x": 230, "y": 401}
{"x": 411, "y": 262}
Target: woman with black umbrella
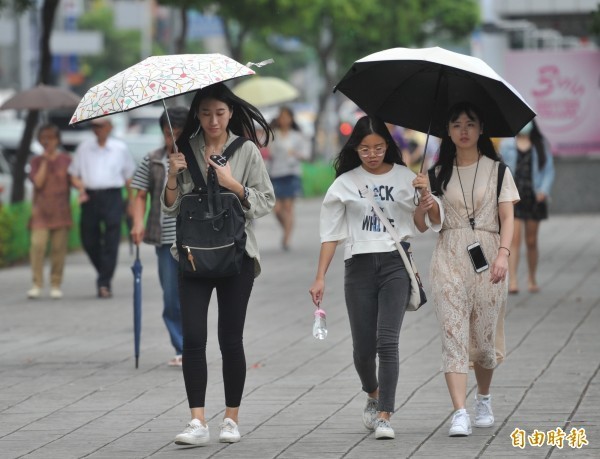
{"x": 470, "y": 294}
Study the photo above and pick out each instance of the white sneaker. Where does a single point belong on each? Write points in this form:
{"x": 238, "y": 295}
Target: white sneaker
{"x": 55, "y": 293}
{"x": 383, "y": 430}
{"x": 484, "y": 417}
{"x": 194, "y": 434}
{"x": 461, "y": 424}
{"x": 34, "y": 292}
{"x": 370, "y": 413}
{"x": 229, "y": 431}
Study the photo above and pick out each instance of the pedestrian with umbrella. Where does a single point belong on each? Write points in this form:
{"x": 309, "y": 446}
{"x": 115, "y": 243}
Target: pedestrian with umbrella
{"x": 152, "y": 80}
{"x": 463, "y": 101}
{"x": 149, "y": 179}
{"x": 376, "y": 283}
{"x": 469, "y": 291}
{"x": 216, "y": 119}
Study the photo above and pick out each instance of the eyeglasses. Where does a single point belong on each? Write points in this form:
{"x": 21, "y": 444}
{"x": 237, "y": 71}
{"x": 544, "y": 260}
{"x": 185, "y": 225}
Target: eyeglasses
{"x": 379, "y": 150}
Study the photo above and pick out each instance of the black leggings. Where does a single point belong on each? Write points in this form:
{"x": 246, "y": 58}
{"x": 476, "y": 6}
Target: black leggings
{"x": 233, "y": 294}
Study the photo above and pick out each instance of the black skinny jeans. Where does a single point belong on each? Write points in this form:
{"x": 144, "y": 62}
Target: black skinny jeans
{"x": 233, "y": 294}
{"x": 377, "y": 289}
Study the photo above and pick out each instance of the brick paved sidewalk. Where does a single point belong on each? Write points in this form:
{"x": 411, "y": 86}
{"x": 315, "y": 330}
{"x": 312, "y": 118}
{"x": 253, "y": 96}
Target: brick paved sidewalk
{"x": 69, "y": 389}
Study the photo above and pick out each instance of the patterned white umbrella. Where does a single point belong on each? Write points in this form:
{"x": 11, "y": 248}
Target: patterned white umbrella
{"x": 156, "y": 78}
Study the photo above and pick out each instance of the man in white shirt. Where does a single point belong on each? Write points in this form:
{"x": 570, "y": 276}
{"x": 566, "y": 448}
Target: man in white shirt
{"x": 100, "y": 169}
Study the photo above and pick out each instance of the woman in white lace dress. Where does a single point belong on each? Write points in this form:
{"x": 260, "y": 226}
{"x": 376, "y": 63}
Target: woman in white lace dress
{"x": 470, "y": 305}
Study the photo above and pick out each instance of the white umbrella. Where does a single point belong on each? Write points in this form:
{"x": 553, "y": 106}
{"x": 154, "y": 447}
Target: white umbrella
{"x": 154, "y": 79}
{"x": 265, "y": 91}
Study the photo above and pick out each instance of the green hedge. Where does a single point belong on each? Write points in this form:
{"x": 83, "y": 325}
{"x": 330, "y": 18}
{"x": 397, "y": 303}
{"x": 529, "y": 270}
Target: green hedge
{"x": 15, "y": 234}
{"x": 316, "y": 178}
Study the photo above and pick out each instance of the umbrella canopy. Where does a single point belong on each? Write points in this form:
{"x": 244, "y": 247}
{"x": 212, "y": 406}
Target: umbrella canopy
{"x": 137, "y": 303}
{"x": 156, "y": 78}
{"x": 264, "y": 91}
{"x": 42, "y": 97}
{"x": 414, "y": 88}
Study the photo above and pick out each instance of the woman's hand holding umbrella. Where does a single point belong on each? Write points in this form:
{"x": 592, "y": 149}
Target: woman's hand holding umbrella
{"x": 177, "y": 164}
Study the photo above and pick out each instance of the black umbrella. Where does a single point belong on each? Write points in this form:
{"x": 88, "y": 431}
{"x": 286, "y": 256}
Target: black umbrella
{"x": 137, "y": 303}
{"x": 414, "y": 88}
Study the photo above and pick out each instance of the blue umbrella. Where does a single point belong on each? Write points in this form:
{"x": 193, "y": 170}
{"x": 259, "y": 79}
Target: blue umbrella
{"x": 137, "y": 303}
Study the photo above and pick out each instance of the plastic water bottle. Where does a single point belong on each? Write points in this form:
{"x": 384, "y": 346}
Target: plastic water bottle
{"x": 320, "y": 327}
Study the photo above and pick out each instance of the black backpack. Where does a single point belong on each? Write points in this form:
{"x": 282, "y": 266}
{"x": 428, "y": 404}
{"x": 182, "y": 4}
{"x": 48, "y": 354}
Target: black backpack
{"x": 211, "y": 233}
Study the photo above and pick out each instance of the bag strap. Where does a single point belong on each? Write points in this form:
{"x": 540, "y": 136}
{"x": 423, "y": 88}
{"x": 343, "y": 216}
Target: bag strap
{"x": 194, "y": 168}
{"x": 364, "y": 190}
{"x": 214, "y": 188}
{"x": 501, "y": 171}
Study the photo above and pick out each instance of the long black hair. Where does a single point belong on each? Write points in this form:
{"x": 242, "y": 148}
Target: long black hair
{"x": 537, "y": 140}
{"x": 348, "y": 158}
{"x": 448, "y": 150}
{"x": 243, "y": 117}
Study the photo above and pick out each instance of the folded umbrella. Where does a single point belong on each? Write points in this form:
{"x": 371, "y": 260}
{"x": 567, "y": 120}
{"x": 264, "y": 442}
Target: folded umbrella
{"x": 137, "y": 303}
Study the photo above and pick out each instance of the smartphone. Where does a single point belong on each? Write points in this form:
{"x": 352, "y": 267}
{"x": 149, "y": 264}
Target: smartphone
{"x": 219, "y": 159}
{"x": 477, "y": 257}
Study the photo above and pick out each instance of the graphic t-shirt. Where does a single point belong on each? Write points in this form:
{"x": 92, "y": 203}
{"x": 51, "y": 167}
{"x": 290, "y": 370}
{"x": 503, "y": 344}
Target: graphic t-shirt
{"x": 348, "y": 217}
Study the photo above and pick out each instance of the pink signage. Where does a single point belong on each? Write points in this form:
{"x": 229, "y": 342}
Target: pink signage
{"x": 563, "y": 88}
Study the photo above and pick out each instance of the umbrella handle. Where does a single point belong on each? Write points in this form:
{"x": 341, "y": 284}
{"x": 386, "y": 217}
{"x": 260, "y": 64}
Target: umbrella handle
{"x": 137, "y": 251}
{"x": 170, "y": 126}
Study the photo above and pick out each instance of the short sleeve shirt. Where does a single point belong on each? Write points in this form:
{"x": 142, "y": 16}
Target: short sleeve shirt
{"x": 465, "y": 175}
{"x": 51, "y": 207}
{"x": 102, "y": 167}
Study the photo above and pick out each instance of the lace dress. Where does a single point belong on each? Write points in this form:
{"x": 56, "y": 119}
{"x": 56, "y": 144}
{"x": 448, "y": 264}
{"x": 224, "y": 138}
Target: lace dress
{"x": 470, "y": 309}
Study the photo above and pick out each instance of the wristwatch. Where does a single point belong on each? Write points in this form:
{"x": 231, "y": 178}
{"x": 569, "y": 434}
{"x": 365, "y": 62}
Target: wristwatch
{"x": 246, "y": 193}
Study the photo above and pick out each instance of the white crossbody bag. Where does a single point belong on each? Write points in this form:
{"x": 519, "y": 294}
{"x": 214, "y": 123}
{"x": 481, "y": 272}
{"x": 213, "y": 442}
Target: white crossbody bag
{"x": 417, "y": 293}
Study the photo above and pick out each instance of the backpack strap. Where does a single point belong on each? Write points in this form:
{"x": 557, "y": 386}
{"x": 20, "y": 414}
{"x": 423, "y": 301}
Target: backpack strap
{"x": 501, "y": 171}
{"x": 194, "y": 168}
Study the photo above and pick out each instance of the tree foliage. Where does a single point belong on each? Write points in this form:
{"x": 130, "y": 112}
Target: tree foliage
{"x": 18, "y": 6}
{"x": 121, "y": 47}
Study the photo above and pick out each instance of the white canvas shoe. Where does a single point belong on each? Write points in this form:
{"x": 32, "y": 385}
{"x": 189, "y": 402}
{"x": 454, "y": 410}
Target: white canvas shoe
{"x": 229, "y": 431}
{"x": 383, "y": 430}
{"x": 370, "y": 413}
{"x": 461, "y": 424}
{"x": 484, "y": 417}
{"x": 194, "y": 434}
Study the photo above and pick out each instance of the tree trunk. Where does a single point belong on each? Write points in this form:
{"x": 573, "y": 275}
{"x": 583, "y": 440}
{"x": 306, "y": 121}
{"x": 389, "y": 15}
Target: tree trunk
{"x": 326, "y": 55}
{"x": 18, "y": 190}
{"x": 180, "y": 42}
